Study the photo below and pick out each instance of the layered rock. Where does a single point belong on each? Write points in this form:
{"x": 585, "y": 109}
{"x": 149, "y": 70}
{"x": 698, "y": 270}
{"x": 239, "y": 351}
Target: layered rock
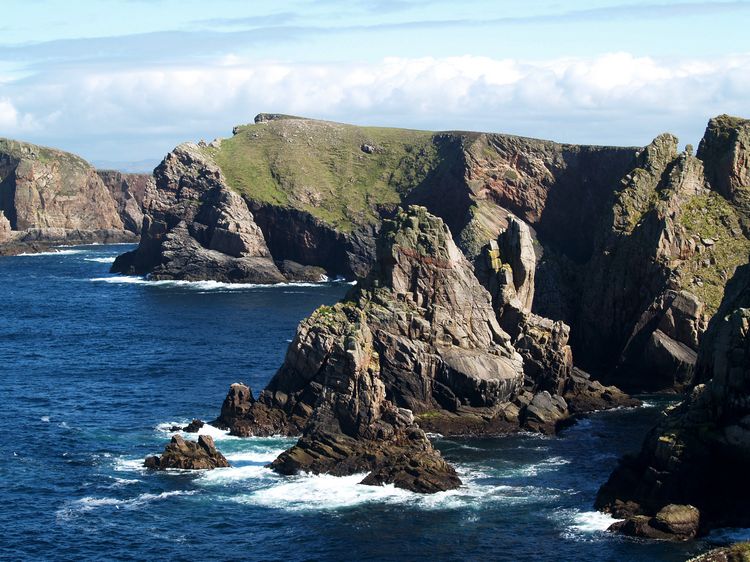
{"x": 188, "y": 455}
{"x": 699, "y": 454}
{"x": 50, "y": 197}
{"x": 670, "y": 247}
{"x": 196, "y": 228}
{"x": 506, "y": 268}
{"x": 129, "y": 192}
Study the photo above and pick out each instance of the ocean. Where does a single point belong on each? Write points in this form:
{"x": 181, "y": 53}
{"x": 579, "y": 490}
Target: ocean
{"x": 95, "y": 369}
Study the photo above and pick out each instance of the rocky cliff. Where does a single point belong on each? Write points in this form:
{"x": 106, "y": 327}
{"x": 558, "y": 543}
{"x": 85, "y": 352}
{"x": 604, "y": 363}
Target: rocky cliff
{"x": 129, "y": 193}
{"x": 699, "y": 454}
{"x": 53, "y": 197}
{"x": 632, "y": 246}
{"x": 417, "y": 345}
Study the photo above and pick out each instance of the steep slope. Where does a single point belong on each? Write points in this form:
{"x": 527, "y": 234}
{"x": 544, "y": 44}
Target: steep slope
{"x": 129, "y": 192}
{"x": 49, "y": 196}
{"x": 633, "y": 246}
{"x": 699, "y": 454}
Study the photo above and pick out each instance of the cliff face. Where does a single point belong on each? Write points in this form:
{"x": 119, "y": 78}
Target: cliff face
{"x": 699, "y": 454}
{"x": 129, "y": 192}
{"x": 49, "y": 196}
{"x": 633, "y": 247}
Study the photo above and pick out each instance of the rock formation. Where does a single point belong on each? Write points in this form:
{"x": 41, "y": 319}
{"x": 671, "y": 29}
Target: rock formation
{"x": 200, "y": 455}
{"x": 738, "y": 552}
{"x": 617, "y": 233}
{"x": 196, "y": 228}
{"x": 699, "y": 454}
{"x": 417, "y": 339}
{"x": 129, "y": 192}
{"x": 52, "y": 197}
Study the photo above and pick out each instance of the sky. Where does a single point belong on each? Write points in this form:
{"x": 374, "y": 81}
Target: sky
{"x": 121, "y": 82}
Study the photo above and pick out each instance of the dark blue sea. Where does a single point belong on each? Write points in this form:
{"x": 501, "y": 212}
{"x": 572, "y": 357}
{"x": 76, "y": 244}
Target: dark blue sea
{"x": 95, "y": 368}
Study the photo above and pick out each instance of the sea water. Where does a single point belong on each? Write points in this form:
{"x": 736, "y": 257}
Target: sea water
{"x": 95, "y": 369}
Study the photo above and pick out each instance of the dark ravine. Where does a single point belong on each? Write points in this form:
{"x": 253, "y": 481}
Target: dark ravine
{"x": 699, "y": 454}
{"x": 415, "y": 346}
{"x": 49, "y": 197}
{"x": 633, "y": 245}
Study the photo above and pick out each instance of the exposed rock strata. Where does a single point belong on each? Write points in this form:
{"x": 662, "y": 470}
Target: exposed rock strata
{"x": 419, "y": 336}
{"x": 129, "y": 192}
{"x": 50, "y": 197}
{"x": 189, "y": 455}
{"x": 196, "y": 228}
{"x": 699, "y": 454}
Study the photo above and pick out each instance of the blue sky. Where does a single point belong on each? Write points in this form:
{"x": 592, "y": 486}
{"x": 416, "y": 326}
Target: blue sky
{"x": 127, "y": 80}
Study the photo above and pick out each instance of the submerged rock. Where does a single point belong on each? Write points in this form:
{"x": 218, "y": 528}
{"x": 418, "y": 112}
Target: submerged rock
{"x": 200, "y": 455}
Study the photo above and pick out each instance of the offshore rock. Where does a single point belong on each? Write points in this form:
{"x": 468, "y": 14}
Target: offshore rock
{"x": 190, "y": 455}
{"x": 699, "y": 454}
{"x": 673, "y": 522}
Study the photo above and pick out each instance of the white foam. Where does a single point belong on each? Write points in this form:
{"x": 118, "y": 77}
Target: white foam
{"x": 547, "y": 465}
{"x": 197, "y": 285}
{"x": 592, "y": 521}
{"x": 129, "y": 465}
{"x": 90, "y": 503}
{"x": 45, "y": 419}
{"x": 101, "y": 260}
{"x": 52, "y": 253}
{"x": 307, "y": 492}
{"x": 215, "y": 432}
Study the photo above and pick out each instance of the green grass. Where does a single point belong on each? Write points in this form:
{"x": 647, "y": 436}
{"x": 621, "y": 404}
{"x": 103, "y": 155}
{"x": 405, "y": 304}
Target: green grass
{"x": 712, "y": 216}
{"x": 319, "y": 167}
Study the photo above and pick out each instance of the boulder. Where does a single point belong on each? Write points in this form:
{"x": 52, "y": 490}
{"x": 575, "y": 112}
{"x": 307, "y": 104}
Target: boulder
{"x": 200, "y": 455}
{"x": 673, "y": 522}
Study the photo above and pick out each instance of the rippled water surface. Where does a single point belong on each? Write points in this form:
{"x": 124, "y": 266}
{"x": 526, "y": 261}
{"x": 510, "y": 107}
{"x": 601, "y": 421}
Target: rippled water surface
{"x": 95, "y": 368}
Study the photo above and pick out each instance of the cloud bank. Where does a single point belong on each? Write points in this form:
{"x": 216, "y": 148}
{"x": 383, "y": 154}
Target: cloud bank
{"x": 136, "y": 113}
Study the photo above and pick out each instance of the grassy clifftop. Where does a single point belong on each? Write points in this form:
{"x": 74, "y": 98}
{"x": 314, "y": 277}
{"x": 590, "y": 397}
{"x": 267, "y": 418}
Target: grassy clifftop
{"x": 338, "y": 173}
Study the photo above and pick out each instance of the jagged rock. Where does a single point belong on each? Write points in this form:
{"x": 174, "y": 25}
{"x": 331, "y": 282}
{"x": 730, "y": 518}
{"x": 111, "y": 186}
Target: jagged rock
{"x": 197, "y": 228}
{"x": 194, "y": 426}
{"x": 179, "y": 453}
{"x": 673, "y": 522}
{"x": 585, "y": 395}
{"x": 46, "y": 188}
{"x": 724, "y": 150}
{"x": 298, "y": 272}
{"x": 545, "y": 412}
{"x": 353, "y": 428}
{"x": 129, "y": 193}
{"x": 699, "y": 454}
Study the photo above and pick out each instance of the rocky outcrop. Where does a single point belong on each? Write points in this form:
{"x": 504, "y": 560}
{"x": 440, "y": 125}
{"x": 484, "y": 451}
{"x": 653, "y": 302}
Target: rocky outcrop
{"x": 188, "y": 455}
{"x": 725, "y": 152}
{"x": 660, "y": 261}
{"x": 129, "y": 192}
{"x": 196, "y": 228}
{"x": 699, "y": 454}
{"x": 673, "y": 522}
{"x": 49, "y": 197}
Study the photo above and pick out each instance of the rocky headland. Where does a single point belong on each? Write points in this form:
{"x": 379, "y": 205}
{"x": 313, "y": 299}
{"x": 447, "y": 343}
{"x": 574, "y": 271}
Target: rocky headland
{"x": 632, "y": 247}
{"x": 417, "y": 345}
{"x": 699, "y": 454}
{"x": 49, "y": 197}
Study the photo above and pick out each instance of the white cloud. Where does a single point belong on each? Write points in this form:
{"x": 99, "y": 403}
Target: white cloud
{"x": 612, "y": 98}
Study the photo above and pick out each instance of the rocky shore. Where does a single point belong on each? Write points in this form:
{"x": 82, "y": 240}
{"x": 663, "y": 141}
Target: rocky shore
{"x": 49, "y": 198}
{"x": 699, "y": 454}
{"x": 632, "y": 247}
{"x": 416, "y": 346}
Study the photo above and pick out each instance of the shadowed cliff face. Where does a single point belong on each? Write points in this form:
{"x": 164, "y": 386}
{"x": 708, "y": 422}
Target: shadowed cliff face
{"x": 700, "y": 453}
